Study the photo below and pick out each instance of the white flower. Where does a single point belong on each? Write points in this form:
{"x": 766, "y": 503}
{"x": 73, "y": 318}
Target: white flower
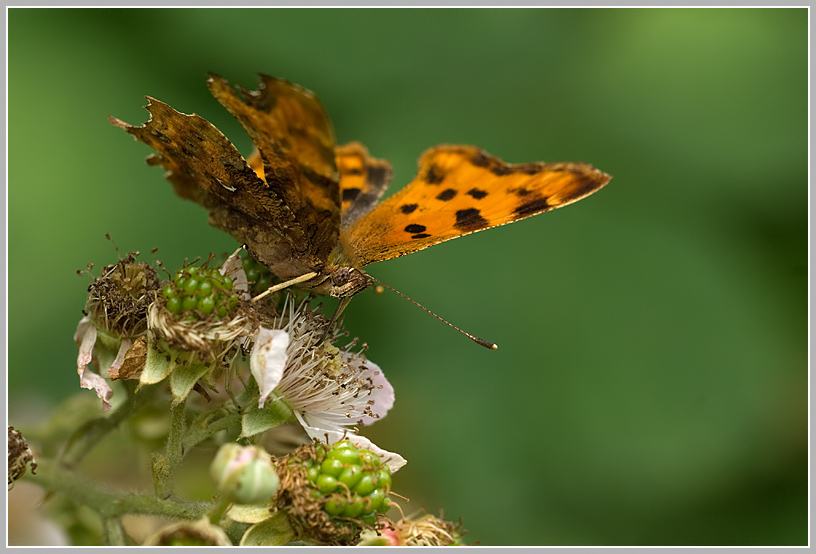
{"x": 328, "y": 389}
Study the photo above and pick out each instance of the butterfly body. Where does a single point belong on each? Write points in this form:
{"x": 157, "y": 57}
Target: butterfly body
{"x": 303, "y": 205}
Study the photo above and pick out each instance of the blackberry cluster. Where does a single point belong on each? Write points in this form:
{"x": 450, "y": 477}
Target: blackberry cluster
{"x": 199, "y": 290}
{"x": 353, "y": 481}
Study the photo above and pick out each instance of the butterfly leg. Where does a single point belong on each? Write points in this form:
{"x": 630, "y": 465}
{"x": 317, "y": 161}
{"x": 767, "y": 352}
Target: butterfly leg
{"x": 341, "y": 305}
{"x": 285, "y": 284}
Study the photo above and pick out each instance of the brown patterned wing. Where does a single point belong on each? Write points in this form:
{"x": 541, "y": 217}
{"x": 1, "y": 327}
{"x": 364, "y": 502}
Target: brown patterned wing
{"x": 204, "y": 166}
{"x": 460, "y": 190}
{"x": 295, "y": 143}
{"x": 363, "y": 180}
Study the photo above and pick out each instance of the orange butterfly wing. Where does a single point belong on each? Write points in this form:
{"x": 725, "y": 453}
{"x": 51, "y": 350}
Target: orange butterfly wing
{"x": 363, "y": 180}
{"x": 460, "y": 190}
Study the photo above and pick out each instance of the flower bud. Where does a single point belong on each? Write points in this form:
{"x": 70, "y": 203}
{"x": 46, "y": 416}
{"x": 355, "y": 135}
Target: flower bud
{"x": 244, "y": 474}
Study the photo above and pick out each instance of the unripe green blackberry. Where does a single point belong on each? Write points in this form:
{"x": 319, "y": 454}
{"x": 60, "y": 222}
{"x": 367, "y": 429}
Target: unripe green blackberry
{"x": 201, "y": 292}
{"x": 353, "y": 482}
{"x": 258, "y": 275}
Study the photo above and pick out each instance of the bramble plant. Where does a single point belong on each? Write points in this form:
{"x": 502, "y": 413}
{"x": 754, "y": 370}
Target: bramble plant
{"x": 194, "y": 374}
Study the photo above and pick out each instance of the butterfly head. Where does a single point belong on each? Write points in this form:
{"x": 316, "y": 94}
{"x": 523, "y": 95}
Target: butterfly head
{"x": 347, "y": 281}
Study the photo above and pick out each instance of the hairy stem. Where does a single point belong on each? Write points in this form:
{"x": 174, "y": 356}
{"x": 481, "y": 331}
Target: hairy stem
{"x": 164, "y": 466}
{"x": 92, "y": 432}
{"x": 109, "y": 502}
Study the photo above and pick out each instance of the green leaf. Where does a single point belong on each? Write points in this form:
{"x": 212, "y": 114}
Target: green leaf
{"x": 274, "y": 531}
{"x": 157, "y": 366}
{"x": 274, "y": 413}
{"x": 184, "y": 378}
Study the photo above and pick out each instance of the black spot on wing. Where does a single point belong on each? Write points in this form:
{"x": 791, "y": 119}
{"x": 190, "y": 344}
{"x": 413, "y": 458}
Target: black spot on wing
{"x": 350, "y": 194}
{"x": 480, "y": 159}
{"x": 408, "y": 208}
{"x": 434, "y": 175}
{"x": 353, "y": 171}
{"x": 586, "y": 185}
{"x": 531, "y": 207}
{"x": 413, "y": 228}
{"x": 500, "y": 169}
{"x": 470, "y": 220}
{"x": 446, "y": 195}
{"x": 521, "y": 191}
{"x": 528, "y": 169}
{"x": 420, "y": 236}
{"x": 477, "y": 193}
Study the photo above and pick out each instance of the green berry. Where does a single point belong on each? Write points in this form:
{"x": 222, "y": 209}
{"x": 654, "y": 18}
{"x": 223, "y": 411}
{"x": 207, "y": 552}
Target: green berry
{"x": 350, "y": 475}
{"x": 227, "y": 281}
{"x": 189, "y": 303}
{"x": 369, "y": 519}
{"x": 189, "y": 285}
{"x": 174, "y": 304}
{"x": 383, "y": 478}
{"x": 375, "y": 500}
{"x": 369, "y": 458}
{"x": 354, "y": 509}
{"x": 206, "y": 305}
{"x": 346, "y": 455}
{"x": 326, "y": 483}
{"x": 335, "y": 506}
{"x": 366, "y": 485}
{"x": 331, "y": 466}
{"x": 205, "y": 287}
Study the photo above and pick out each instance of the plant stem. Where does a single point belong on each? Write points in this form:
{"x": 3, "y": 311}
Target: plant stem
{"x": 216, "y": 514}
{"x": 112, "y": 530}
{"x": 108, "y": 502}
{"x": 197, "y": 435}
{"x": 90, "y": 434}
{"x": 164, "y": 466}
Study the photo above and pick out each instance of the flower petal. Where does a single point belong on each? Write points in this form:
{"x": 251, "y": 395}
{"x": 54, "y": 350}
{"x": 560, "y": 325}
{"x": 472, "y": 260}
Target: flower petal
{"x": 113, "y": 370}
{"x": 393, "y": 460}
{"x": 90, "y": 380}
{"x": 82, "y": 327}
{"x": 268, "y": 359}
{"x": 85, "y": 336}
{"x": 382, "y": 397}
{"x": 234, "y": 269}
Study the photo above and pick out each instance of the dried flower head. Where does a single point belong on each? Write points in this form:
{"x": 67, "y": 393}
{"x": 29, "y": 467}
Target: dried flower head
{"x": 427, "y": 530}
{"x": 19, "y": 456}
{"x": 119, "y": 298}
{"x": 116, "y": 316}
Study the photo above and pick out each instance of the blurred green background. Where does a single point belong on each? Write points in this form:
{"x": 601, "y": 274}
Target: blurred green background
{"x": 651, "y": 382}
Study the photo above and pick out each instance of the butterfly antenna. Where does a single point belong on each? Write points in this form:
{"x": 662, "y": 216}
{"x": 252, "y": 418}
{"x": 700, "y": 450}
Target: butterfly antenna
{"x": 477, "y": 340}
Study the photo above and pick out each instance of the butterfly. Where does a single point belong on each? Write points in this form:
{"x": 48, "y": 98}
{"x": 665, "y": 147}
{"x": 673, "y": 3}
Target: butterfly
{"x": 309, "y": 209}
